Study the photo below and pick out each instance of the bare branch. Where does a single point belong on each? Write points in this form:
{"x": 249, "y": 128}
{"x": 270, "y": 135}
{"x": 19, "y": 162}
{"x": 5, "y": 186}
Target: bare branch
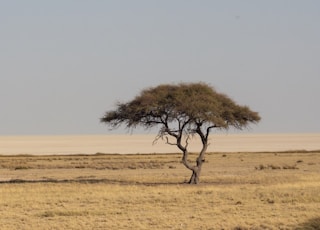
{"x": 187, "y": 141}
{"x": 156, "y": 139}
{"x": 209, "y": 129}
{"x": 169, "y": 143}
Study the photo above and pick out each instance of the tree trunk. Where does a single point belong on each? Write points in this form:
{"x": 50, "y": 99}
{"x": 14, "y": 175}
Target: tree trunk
{"x": 196, "y": 169}
{"x": 195, "y": 177}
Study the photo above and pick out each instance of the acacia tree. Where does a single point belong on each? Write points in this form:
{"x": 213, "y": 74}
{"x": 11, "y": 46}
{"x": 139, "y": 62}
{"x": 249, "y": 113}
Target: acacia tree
{"x": 182, "y": 111}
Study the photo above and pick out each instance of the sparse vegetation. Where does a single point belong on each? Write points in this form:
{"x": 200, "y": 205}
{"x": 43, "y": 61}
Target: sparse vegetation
{"x": 274, "y": 167}
{"x": 139, "y": 192}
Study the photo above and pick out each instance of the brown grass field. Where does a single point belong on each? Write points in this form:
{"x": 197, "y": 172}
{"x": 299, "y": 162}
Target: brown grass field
{"x": 264, "y": 190}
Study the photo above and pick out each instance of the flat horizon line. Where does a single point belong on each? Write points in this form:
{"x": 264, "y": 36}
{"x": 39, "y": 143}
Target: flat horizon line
{"x": 148, "y": 134}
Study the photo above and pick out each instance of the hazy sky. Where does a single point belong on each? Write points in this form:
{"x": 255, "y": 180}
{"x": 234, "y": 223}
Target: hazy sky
{"x": 65, "y": 62}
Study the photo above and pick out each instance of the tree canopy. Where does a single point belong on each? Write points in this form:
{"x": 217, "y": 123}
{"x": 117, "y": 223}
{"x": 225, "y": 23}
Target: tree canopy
{"x": 182, "y": 110}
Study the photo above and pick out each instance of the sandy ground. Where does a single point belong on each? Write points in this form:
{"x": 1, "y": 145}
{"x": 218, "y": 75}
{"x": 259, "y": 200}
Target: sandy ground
{"x": 143, "y": 144}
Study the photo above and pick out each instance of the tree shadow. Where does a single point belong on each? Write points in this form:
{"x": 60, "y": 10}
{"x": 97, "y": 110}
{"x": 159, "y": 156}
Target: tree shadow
{"x": 88, "y": 181}
{"x": 311, "y": 224}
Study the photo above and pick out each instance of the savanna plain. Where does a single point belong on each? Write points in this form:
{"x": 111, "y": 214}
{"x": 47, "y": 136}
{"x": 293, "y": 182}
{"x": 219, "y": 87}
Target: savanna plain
{"x": 262, "y": 190}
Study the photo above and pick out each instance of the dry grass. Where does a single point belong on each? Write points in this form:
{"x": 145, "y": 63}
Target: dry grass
{"x": 238, "y": 191}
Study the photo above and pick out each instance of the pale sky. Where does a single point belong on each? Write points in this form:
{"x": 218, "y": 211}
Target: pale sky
{"x": 65, "y": 62}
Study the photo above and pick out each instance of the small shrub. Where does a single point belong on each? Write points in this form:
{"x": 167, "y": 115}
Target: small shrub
{"x": 290, "y": 167}
{"x": 21, "y": 168}
{"x": 240, "y": 228}
{"x": 263, "y": 167}
{"x": 274, "y": 167}
{"x": 260, "y": 167}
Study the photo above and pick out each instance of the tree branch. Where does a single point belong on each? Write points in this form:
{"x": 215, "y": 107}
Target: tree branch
{"x": 209, "y": 129}
{"x": 169, "y": 143}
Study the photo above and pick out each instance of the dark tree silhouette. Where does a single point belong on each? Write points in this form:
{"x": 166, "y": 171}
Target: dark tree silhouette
{"x": 181, "y": 111}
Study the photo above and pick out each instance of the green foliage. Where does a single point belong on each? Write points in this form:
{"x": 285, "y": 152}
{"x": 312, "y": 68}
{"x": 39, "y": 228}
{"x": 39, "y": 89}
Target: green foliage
{"x": 186, "y": 106}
